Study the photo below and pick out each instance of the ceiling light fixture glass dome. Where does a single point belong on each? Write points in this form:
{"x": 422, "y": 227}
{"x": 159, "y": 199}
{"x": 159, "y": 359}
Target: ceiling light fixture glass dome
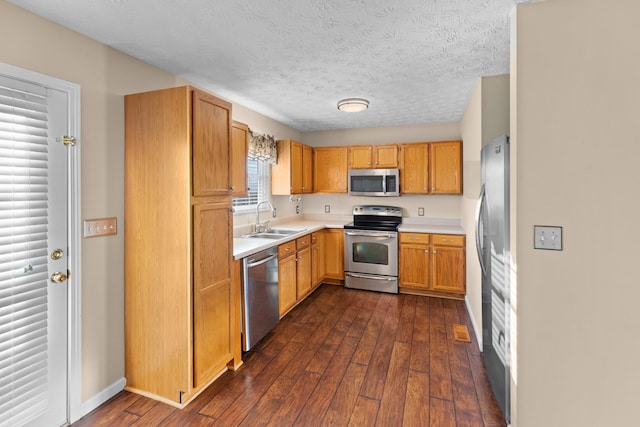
{"x": 353, "y": 105}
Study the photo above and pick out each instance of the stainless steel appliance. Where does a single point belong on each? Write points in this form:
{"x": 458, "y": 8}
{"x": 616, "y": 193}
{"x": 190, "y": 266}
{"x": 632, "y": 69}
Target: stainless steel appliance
{"x": 492, "y": 240}
{"x": 371, "y": 248}
{"x": 374, "y": 182}
{"x": 260, "y": 308}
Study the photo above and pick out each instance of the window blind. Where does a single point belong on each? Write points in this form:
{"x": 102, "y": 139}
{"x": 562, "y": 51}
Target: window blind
{"x": 258, "y": 183}
{"x": 23, "y": 251}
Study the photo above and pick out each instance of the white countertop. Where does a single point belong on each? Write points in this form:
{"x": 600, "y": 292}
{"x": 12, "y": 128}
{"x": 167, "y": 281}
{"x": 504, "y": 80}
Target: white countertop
{"x": 244, "y": 246}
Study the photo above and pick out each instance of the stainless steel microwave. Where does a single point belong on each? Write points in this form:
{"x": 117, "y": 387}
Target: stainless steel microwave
{"x": 374, "y": 182}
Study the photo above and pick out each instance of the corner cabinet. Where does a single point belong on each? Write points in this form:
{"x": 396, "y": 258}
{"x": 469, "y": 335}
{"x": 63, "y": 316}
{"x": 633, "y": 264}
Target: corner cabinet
{"x": 432, "y": 264}
{"x": 181, "y": 322}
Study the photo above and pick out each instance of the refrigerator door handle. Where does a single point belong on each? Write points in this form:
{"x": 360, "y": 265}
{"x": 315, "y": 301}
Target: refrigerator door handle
{"x": 478, "y": 219}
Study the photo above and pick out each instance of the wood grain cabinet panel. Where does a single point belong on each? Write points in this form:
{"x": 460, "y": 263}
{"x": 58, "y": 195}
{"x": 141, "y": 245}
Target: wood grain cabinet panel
{"x": 294, "y": 171}
{"x": 180, "y": 330}
{"x": 303, "y": 273}
{"x": 330, "y": 169}
{"x": 334, "y": 253}
{"x": 373, "y": 156}
{"x": 318, "y": 262}
{"x": 432, "y": 264}
{"x": 414, "y": 168}
{"x": 287, "y": 278}
{"x": 239, "y": 153}
{"x": 445, "y": 171}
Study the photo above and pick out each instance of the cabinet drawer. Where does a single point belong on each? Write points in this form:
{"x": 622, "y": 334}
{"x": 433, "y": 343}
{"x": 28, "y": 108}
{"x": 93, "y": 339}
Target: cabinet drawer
{"x": 287, "y": 249}
{"x": 303, "y": 242}
{"x": 448, "y": 240}
{"x": 414, "y": 238}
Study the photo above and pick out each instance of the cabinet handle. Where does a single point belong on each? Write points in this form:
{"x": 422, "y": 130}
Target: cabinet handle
{"x": 434, "y": 252}
{"x": 426, "y": 251}
{"x": 233, "y": 187}
{"x": 448, "y": 240}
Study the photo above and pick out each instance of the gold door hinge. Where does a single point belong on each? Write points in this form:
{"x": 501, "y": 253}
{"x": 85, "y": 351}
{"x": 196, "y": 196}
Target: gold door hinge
{"x": 67, "y": 140}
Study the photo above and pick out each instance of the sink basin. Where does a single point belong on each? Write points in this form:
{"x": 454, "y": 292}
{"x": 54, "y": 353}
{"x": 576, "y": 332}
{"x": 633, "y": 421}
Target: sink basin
{"x": 263, "y": 236}
{"x": 284, "y": 231}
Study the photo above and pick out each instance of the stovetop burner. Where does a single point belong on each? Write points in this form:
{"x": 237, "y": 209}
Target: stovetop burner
{"x": 375, "y": 217}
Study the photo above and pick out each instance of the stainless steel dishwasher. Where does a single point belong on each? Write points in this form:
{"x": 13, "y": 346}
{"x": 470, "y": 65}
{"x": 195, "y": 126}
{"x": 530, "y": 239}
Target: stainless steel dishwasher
{"x": 260, "y": 308}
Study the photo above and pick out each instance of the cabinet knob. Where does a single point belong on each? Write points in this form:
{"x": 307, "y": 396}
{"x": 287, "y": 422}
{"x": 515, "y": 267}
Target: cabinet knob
{"x": 426, "y": 251}
{"x": 233, "y": 187}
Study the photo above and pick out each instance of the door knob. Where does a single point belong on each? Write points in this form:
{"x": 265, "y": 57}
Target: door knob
{"x": 58, "y": 277}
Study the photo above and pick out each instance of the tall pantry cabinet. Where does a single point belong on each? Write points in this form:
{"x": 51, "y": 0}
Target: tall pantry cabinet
{"x": 182, "y": 323}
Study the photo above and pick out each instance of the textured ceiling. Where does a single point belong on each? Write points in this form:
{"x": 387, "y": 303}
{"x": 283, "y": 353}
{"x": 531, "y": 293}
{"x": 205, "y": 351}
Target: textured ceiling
{"x": 416, "y": 61}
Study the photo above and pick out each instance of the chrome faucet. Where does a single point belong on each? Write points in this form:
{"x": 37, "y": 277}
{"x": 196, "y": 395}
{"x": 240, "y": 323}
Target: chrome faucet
{"x": 261, "y": 227}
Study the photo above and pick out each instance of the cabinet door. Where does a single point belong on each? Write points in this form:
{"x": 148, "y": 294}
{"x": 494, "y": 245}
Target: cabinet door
{"x": 414, "y": 168}
{"x": 318, "y": 263}
{"x": 287, "y": 282}
{"x": 414, "y": 265}
{"x": 448, "y": 269}
{"x": 211, "y": 144}
{"x": 303, "y": 273}
{"x": 334, "y": 254}
{"x": 239, "y": 152}
{"x": 385, "y": 156}
{"x": 296, "y": 168}
{"x": 360, "y": 157}
{"x": 446, "y": 167}
{"x": 307, "y": 169}
{"x": 330, "y": 169}
{"x": 212, "y": 295}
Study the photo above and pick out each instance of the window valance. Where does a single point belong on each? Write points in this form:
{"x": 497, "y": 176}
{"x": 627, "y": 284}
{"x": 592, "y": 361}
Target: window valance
{"x": 263, "y": 147}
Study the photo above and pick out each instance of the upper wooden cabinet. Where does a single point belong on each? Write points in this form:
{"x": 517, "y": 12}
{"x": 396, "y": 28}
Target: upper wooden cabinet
{"x": 373, "y": 156}
{"x": 211, "y": 145}
{"x": 293, "y": 172}
{"x": 239, "y": 152}
{"x": 330, "y": 169}
{"x": 181, "y": 325}
{"x": 445, "y": 171}
{"x": 431, "y": 168}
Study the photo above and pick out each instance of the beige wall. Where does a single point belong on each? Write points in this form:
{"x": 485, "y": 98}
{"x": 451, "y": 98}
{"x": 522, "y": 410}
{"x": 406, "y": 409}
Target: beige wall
{"x": 105, "y": 75}
{"x": 578, "y": 104}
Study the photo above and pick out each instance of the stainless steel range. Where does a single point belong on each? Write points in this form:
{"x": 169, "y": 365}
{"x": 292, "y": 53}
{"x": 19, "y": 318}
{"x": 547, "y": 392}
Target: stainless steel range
{"x": 371, "y": 248}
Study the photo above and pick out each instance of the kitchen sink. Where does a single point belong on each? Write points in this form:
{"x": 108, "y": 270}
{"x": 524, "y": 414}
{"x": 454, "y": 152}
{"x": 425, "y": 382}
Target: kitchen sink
{"x": 263, "y": 236}
{"x": 284, "y": 231}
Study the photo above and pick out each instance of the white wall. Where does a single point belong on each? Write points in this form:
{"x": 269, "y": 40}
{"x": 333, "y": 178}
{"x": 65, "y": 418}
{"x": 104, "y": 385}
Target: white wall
{"x": 577, "y": 109}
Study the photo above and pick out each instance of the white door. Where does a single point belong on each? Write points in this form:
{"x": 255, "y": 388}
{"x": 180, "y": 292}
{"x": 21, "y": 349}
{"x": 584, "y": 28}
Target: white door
{"x": 33, "y": 248}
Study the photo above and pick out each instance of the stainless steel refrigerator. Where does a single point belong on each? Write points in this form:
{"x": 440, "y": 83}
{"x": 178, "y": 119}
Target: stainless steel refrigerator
{"x": 492, "y": 241}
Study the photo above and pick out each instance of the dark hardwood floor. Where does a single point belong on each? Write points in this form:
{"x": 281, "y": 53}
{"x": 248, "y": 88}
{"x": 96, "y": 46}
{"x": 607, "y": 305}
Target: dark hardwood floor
{"x": 342, "y": 357}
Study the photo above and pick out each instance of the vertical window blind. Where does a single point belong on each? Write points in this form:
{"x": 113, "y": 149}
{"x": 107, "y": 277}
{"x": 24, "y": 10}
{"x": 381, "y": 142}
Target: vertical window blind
{"x": 23, "y": 251}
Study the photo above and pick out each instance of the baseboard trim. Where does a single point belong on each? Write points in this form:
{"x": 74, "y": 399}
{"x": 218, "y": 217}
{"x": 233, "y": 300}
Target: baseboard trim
{"x": 102, "y": 396}
{"x": 473, "y": 323}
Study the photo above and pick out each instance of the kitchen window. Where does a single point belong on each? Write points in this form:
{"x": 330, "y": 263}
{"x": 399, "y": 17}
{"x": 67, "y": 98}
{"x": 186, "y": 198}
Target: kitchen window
{"x": 258, "y": 180}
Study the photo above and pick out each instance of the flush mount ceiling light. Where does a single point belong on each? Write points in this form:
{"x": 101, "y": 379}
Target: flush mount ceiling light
{"x": 353, "y": 105}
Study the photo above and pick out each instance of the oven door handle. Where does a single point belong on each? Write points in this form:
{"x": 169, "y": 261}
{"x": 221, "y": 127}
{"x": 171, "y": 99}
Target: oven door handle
{"x": 374, "y": 234}
{"x": 362, "y": 276}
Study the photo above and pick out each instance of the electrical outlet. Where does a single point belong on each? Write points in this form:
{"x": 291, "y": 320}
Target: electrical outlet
{"x": 420, "y": 211}
{"x": 546, "y": 237}
{"x": 327, "y": 208}
{"x": 100, "y": 227}
{"x": 297, "y": 210}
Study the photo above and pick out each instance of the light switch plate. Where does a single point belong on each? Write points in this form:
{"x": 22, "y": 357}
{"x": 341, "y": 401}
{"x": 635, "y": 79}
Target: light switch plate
{"x": 420, "y": 211}
{"x": 327, "y": 208}
{"x": 100, "y": 227}
{"x": 547, "y": 237}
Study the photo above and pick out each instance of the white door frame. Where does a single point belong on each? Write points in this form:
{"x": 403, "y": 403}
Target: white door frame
{"x": 74, "y": 327}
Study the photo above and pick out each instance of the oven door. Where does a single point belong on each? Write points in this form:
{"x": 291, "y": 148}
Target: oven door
{"x": 371, "y": 252}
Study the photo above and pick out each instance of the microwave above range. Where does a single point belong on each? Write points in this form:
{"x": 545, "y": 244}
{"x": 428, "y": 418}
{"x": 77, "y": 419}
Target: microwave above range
{"x": 374, "y": 182}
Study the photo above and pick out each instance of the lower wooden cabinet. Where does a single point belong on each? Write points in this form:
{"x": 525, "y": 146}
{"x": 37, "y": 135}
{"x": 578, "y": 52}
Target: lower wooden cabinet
{"x": 334, "y": 253}
{"x": 432, "y": 264}
{"x": 287, "y": 276}
{"x": 318, "y": 262}
{"x": 303, "y": 266}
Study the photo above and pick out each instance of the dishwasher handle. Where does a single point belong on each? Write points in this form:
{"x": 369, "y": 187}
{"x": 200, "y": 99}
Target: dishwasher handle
{"x": 262, "y": 261}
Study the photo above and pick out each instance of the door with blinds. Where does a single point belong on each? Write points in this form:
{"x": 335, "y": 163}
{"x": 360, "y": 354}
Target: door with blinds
{"x": 33, "y": 255}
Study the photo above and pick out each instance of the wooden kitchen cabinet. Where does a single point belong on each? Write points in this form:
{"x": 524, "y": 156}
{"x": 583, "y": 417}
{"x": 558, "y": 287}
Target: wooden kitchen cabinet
{"x": 373, "y": 156}
{"x": 293, "y": 172}
{"x": 334, "y": 254}
{"x": 239, "y": 153}
{"x": 431, "y": 168}
{"x": 330, "y": 172}
{"x": 432, "y": 264}
{"x": 287, "y": 276}
{"x": 445, "y": 167}
{"x": 180, "y": 328}
{"x": 318, "y": 262}
{"x": 303, "y": 267}
{"x": 414, "y": 168}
